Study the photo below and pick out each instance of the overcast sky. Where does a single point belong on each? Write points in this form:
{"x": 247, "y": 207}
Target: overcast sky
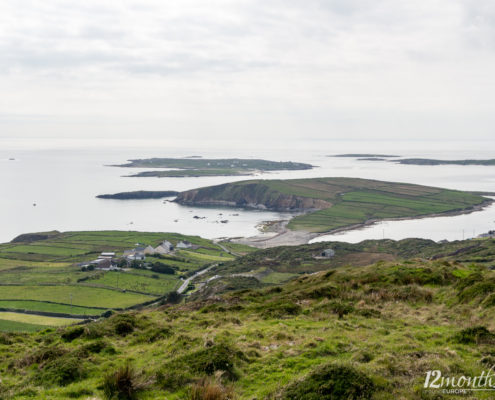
{"x": 198, "y": 69}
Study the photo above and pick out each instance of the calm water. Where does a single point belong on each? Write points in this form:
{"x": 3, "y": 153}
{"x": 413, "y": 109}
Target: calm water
{"x": 63, "y": 184}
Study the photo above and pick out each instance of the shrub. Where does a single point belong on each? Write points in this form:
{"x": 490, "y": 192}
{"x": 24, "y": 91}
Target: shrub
{"x": 331, "y": 382}
{"x": 477, "y": 335}
{"x": 208, "y": 389}
{"x": 124, "y": 324}
{"x": 336, "y": 307}
{"x": 41, "y": 356}
{"x": 5, "y": 339}
{"x": 479, "y": 289}
{"x": 162, "y": 268}
{"x": 96, "y": 347}
{"x": 218, "y": 357}
{"x": 61, "y": 371}
{"x": 94, "y": 331}
{"x": 330, "y": 292}
{"x": 173, "y": 298}
{"x": 279, "y": 309}
{"x": 70, "y": 334}
{"x": 152, "y": 335}
{"x": 123, "y": 328}
{"x": 123, "y": 384}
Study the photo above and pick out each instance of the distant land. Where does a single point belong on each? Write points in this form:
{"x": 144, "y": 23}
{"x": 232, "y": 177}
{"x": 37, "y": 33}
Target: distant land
{"x": 428, "y": 161}
{"x": 196, "y": 167}
{"x": 364, "y": 155}
{"x": 139, "y": 195}
{"x": 330, "y": 204}
{"x": 190, "y": 173}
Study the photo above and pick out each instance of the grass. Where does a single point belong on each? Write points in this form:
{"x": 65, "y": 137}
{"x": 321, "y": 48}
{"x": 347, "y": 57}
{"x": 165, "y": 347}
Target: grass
{"x": 49, "y": 307}
{"x": 156, "y": 284}
{"x": 15, "y": 326}
{"x": 282, "y": 342}
{"x": 81, "y": 295}
{"x": 37, "y": 319}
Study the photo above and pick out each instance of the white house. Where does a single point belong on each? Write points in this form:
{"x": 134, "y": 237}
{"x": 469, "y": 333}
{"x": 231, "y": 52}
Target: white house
{"x": 184, "y": 244}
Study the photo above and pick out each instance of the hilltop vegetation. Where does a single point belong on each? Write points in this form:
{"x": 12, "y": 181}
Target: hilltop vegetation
{"x": 367, "y": 332}
{"x": 333, "y": 203}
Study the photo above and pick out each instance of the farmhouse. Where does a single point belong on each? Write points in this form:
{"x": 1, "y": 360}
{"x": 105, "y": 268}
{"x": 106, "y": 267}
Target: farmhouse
{"x": 328, "y": 253}
{"x": 184, "y": 244}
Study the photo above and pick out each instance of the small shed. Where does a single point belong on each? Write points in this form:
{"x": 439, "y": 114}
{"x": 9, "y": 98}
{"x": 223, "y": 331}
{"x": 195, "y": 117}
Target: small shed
{"x": 184, "y": 244}
{"x": 328, "y": 253}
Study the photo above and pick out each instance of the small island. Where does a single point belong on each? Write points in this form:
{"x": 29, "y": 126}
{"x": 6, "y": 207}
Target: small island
{"x": 429, "y": 161}
{"x": 364, "y": 155}
{"x": 198, "y": 167}
{"x": 189, "y": 173}
{"x": 139, "y": 195}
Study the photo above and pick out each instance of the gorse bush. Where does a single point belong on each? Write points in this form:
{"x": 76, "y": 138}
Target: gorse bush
{"x": 332, "y": 382}
{"x": 219, "y": 357}
{"x": 279, "y": 309}
{"x": 61, "y": 371}
{"x": 475, "y": 335}
{"x": 72, "y": 334}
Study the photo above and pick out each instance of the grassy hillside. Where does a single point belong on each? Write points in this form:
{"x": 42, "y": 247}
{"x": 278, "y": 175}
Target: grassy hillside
{"x": 38, "y": 273}
{"x": 369, "y": 332}
{"x": 333, "y": 203}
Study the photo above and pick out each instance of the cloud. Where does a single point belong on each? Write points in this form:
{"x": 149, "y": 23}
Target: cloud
{"x": 277, "y": 67}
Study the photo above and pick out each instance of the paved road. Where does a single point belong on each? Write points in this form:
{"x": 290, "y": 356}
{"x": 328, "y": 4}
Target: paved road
{"x": 183, "y": 287}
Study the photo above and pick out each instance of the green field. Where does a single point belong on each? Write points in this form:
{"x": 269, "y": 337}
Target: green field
{"x": 81, "y": 295}
{"x": 34, "y": 305}
{"x": 38, "y": 272}
{"x": 156, "y": 284}
{"x": 14, "y": 326}
{"x": 37, "y": 319}
{"x": 331, "y": 203}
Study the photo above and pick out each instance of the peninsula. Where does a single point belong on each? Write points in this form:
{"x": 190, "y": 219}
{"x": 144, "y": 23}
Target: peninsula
{"x": 196, "y": 167}
{"x": 139, "y": 195}
{"x": 329, "y": 204}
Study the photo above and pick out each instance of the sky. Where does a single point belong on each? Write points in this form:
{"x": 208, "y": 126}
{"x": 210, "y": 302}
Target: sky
{"x": 247, "y": 70}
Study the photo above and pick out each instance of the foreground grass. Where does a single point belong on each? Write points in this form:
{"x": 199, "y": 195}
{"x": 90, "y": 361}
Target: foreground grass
{"x": 379, "y": 328}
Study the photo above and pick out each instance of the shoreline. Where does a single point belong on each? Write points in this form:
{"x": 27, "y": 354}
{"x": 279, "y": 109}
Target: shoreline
{"x": 282, "y": 236}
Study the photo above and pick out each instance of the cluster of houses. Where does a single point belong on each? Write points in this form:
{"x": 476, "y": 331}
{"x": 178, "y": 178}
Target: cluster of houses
{"x": 108, "y": 261}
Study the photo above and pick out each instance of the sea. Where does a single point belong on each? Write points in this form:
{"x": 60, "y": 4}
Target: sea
{"x": 53, "y": 186}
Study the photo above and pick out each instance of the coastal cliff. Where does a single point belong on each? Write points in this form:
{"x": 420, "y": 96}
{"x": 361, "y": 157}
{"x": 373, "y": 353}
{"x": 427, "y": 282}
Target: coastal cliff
{"x": 250, "y": 195}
